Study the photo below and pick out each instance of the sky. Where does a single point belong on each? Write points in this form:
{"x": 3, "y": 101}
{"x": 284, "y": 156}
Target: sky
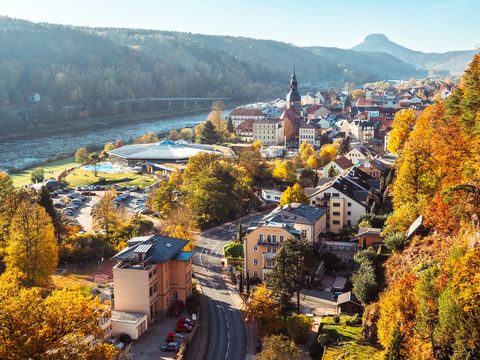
{"x": 425, "y": 25}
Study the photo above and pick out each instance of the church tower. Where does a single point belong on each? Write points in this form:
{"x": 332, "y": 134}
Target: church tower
{"x": 293, "y": 99}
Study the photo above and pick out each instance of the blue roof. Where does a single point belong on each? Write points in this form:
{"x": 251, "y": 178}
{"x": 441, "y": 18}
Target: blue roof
{"x": 158, "y": 249}
{"x": 184, "y": 255}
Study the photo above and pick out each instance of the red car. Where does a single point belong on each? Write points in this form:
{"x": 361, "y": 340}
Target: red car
{"x": 183, "y": 328}
{"x": 172, "y": 337}
{"x": 185, "y": 321}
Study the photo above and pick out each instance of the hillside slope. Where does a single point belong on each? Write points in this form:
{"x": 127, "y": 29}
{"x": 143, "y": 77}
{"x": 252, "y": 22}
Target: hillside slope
{"x": 453, "y": 61}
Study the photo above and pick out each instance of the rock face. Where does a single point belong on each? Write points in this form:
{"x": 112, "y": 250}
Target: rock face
{"x": 454, "y": 62}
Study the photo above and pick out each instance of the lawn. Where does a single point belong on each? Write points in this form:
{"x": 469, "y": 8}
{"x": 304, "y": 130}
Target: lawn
{"x": 51, "y": 170}
{"x": 81, "y": 177}
{"x": 348, "y": 341}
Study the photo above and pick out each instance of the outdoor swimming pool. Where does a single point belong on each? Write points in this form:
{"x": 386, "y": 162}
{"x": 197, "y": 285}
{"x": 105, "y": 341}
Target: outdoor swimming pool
{"x": 103, "y": 167}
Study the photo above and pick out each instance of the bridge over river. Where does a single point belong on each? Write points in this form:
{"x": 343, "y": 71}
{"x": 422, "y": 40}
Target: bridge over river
{"x": 157, "y": 103}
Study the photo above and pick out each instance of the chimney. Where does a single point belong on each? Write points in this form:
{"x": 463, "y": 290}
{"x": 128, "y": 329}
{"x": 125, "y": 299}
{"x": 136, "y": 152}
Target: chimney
{"x": 289, "y": 207}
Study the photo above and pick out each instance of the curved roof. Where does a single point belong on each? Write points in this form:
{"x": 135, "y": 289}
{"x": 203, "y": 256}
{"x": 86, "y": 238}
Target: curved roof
{"x": 293, "y": 96}
{"x": 167, "y": 150}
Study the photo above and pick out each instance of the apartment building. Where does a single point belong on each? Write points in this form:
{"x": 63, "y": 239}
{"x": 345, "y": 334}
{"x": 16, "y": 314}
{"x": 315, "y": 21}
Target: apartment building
{"x": 269, "y": 131}
{"x": 240, "y": 114}
{"x": 310, "y": 133}
{"x": 311, "y": 221}
{"x": 153, "y": 272}
{"x": 261, "y": 244}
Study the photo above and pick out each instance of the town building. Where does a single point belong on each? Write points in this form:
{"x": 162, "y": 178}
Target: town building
{"x": 293, "y": 99}
{"x": 240, "y": 114}
{"x": 347, "y": 303}
{"x": 362, "y": 130}
{"x": 360, "y": 153}
{"x": 339, "y": 164}
{"x": 152, "y": 274}
{"x": 271, "y": 195}
{"x": 269, "y": 131}
{"x": 261, "y": 244}
{"x": 311, "y": 221}
{"x": 244, "y": 131}
{"x": 367, "y": 236}
{"x": 309, "y": 133}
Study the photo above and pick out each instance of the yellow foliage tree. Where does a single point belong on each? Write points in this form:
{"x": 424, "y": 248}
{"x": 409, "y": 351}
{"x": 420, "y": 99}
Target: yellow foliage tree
{"x": 105, "y": 216}
{"x": 328, "y": 152}
{"x": 265, "y": 309}
{"x": 284, "y": 171}
{"x": 402, "y": 126}
{"x": 181, "y": 223}
{"x": 279, "y": 347}
{"x": 31, "y": 246}
{"x": 306, "y": 150}
{"x": 54, "y": 327}
{"x": 294, "y": 194}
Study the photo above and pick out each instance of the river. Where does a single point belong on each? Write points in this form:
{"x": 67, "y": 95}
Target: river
{"x": 22, "y": 154}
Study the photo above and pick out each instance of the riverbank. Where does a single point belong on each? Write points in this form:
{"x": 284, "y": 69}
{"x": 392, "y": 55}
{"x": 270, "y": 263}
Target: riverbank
{"x": 103, "y": 122}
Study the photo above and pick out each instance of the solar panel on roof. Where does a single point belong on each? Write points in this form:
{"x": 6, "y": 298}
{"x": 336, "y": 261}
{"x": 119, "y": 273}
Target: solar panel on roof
{"x": 143, "y": 248}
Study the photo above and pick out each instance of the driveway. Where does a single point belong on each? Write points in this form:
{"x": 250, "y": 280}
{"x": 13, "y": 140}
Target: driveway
{"x": 147, "y": 347}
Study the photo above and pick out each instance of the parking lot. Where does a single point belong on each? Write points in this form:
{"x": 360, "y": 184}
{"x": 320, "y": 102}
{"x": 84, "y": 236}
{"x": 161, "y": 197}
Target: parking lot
{"x": 147, "y": 347}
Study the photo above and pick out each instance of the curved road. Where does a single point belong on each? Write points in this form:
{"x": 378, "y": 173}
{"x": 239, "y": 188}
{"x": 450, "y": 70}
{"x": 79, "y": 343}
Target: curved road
{"x": 227, "y": 340}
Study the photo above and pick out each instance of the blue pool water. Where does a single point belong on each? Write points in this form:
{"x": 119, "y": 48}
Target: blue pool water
{"x": 102, "y": 167}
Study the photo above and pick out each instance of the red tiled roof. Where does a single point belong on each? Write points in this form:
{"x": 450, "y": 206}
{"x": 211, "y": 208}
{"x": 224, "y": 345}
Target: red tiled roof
{"x": 246, "y": 112}
{"x": 343, "y": 162}
{"x": 246, "y": 126}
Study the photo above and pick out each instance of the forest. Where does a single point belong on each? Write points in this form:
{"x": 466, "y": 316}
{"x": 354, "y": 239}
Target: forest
{"x": 80, "y": 72}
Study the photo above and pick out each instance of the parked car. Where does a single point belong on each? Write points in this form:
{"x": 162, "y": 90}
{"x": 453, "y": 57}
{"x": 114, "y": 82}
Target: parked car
{"x": 176, "y": 309}
{"x": 183, "y": 328}
{"x": 59, "y": 205}
{"x": 171, "y": 347}
{"x": 186, "y": 321}
{"x": 172, "y": 336}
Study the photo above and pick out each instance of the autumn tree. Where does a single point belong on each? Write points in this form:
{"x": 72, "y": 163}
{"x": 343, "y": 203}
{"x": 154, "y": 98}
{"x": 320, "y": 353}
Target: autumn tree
{"x": 327, "y": 153}
{"x": 45, "y": 201}
{"x": 81, "y": 155}
{"x": 294, "y": 194}
{"x": 357, "y": 94}
{"x": 105, "y": 215}
{"x": 265, "y": 308}
{"x": 186, "y": 134}
{"x": 31, "y": 246}
{"x": 284, "y": 171}
{"x": 279, "y": 347}
{"x": 35, "y": 326}
{"x": 164, "y": 198}
{"x": 402, "y": 126}
{"x": 148, "y": 138}
{"x": 306, "y": 150}
{"x": 181, "y": 222}
{"x": 299, "y": 327}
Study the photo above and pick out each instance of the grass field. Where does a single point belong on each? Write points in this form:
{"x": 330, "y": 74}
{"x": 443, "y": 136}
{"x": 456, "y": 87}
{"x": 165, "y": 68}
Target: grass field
{"x": 348, "y": 338}
{"x": 81, "y": 177}
{"x": 51, "y": 170}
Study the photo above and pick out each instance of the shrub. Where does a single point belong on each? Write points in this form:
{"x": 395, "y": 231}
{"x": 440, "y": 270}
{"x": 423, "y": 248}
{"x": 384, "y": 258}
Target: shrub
{"x": 354, "y": 320}
{"x": 233, "y": 250}
{"x": 336, "y": 319}
{"x": 298, "y": 327}
{"x": 395, "y": 241}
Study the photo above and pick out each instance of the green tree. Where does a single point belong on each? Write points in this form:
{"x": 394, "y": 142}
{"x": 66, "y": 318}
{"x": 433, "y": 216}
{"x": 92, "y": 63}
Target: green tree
{"x": 37, "y": 175}
{"x": 81, "y": 156}
{"x": 44, "y": 200}
{"x": 209, "y": 134}
{"x": 31, "y": 247}
{"x": 364, "y": 283}
{"x": 332, "y": 172}
{"x": 233, "y": 250}
{"x": 294, "y": 194}
{"x": 344, "y": 146}
{"x": 291, "y": 270}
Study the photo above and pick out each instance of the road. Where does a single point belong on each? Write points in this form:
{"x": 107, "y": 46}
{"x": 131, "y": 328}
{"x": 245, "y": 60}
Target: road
{"x": 228, "y": 339}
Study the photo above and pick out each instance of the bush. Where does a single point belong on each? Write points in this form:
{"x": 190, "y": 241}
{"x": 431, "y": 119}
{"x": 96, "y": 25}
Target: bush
{"x": 354, "y": 320}
{"x": 395, "y": 241}
{"x": 233, "y": 250}
{"x": 336, "y": 319}
{"x": 316, "y": 350}
{"x": 298, "y": 327}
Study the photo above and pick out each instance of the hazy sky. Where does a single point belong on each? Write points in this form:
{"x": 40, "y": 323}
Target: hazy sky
{"x": 427, "y": 25}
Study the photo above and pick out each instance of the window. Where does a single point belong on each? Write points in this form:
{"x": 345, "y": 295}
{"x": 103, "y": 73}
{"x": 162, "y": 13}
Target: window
{"x": 274, "y": 249}
{"x": 335, "y": 194}
{"x": 175, "y": 295}
{"x": 269, "y": 238}
{"x": 260, "y": 237}
{"x": 274, "y": 238}
{"x": 255, "y": 262}
{"x": 153, "y": 289}
{"x": 349, "y": 213}
{"x": 349, "y": 204}
{"x": 336, "y": 204}
{"x": 255, "y": 248}
{"x": 281, "y": 238}
{"x": 336, "y": 222}
{"x": 255, "y": 273}
{"x": 336, "y": 213}
{"x": 304, "y": 233}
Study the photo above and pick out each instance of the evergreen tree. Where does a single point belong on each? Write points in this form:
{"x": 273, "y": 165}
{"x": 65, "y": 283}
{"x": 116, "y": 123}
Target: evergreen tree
{"x": 45, "y": 201}
{"x": 344, "y": 146}
{"x": 230, "y": 128}
{"x": 332, "y": 172}
{"x": 394, "y": 351}
{"x": 209, "y": 134}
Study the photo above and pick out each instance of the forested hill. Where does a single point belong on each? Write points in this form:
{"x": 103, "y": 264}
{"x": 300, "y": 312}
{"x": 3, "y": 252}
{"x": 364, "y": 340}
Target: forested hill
{"x": 72, "y": 65}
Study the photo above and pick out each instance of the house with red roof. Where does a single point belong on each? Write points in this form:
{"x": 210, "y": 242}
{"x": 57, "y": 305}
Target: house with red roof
{"x": 240, "y": 114}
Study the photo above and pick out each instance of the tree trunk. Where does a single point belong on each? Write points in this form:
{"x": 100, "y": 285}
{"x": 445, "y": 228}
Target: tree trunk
{"x": 298, "y": 301}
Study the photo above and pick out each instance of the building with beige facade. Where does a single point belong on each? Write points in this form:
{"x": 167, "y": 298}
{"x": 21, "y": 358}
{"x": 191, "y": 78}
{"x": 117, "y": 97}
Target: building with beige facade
{"x": 153, "y": 272}
{"x": 269, "y": 131}
{"x": 311, "y": 221}
{"x": 261, "y": 244}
